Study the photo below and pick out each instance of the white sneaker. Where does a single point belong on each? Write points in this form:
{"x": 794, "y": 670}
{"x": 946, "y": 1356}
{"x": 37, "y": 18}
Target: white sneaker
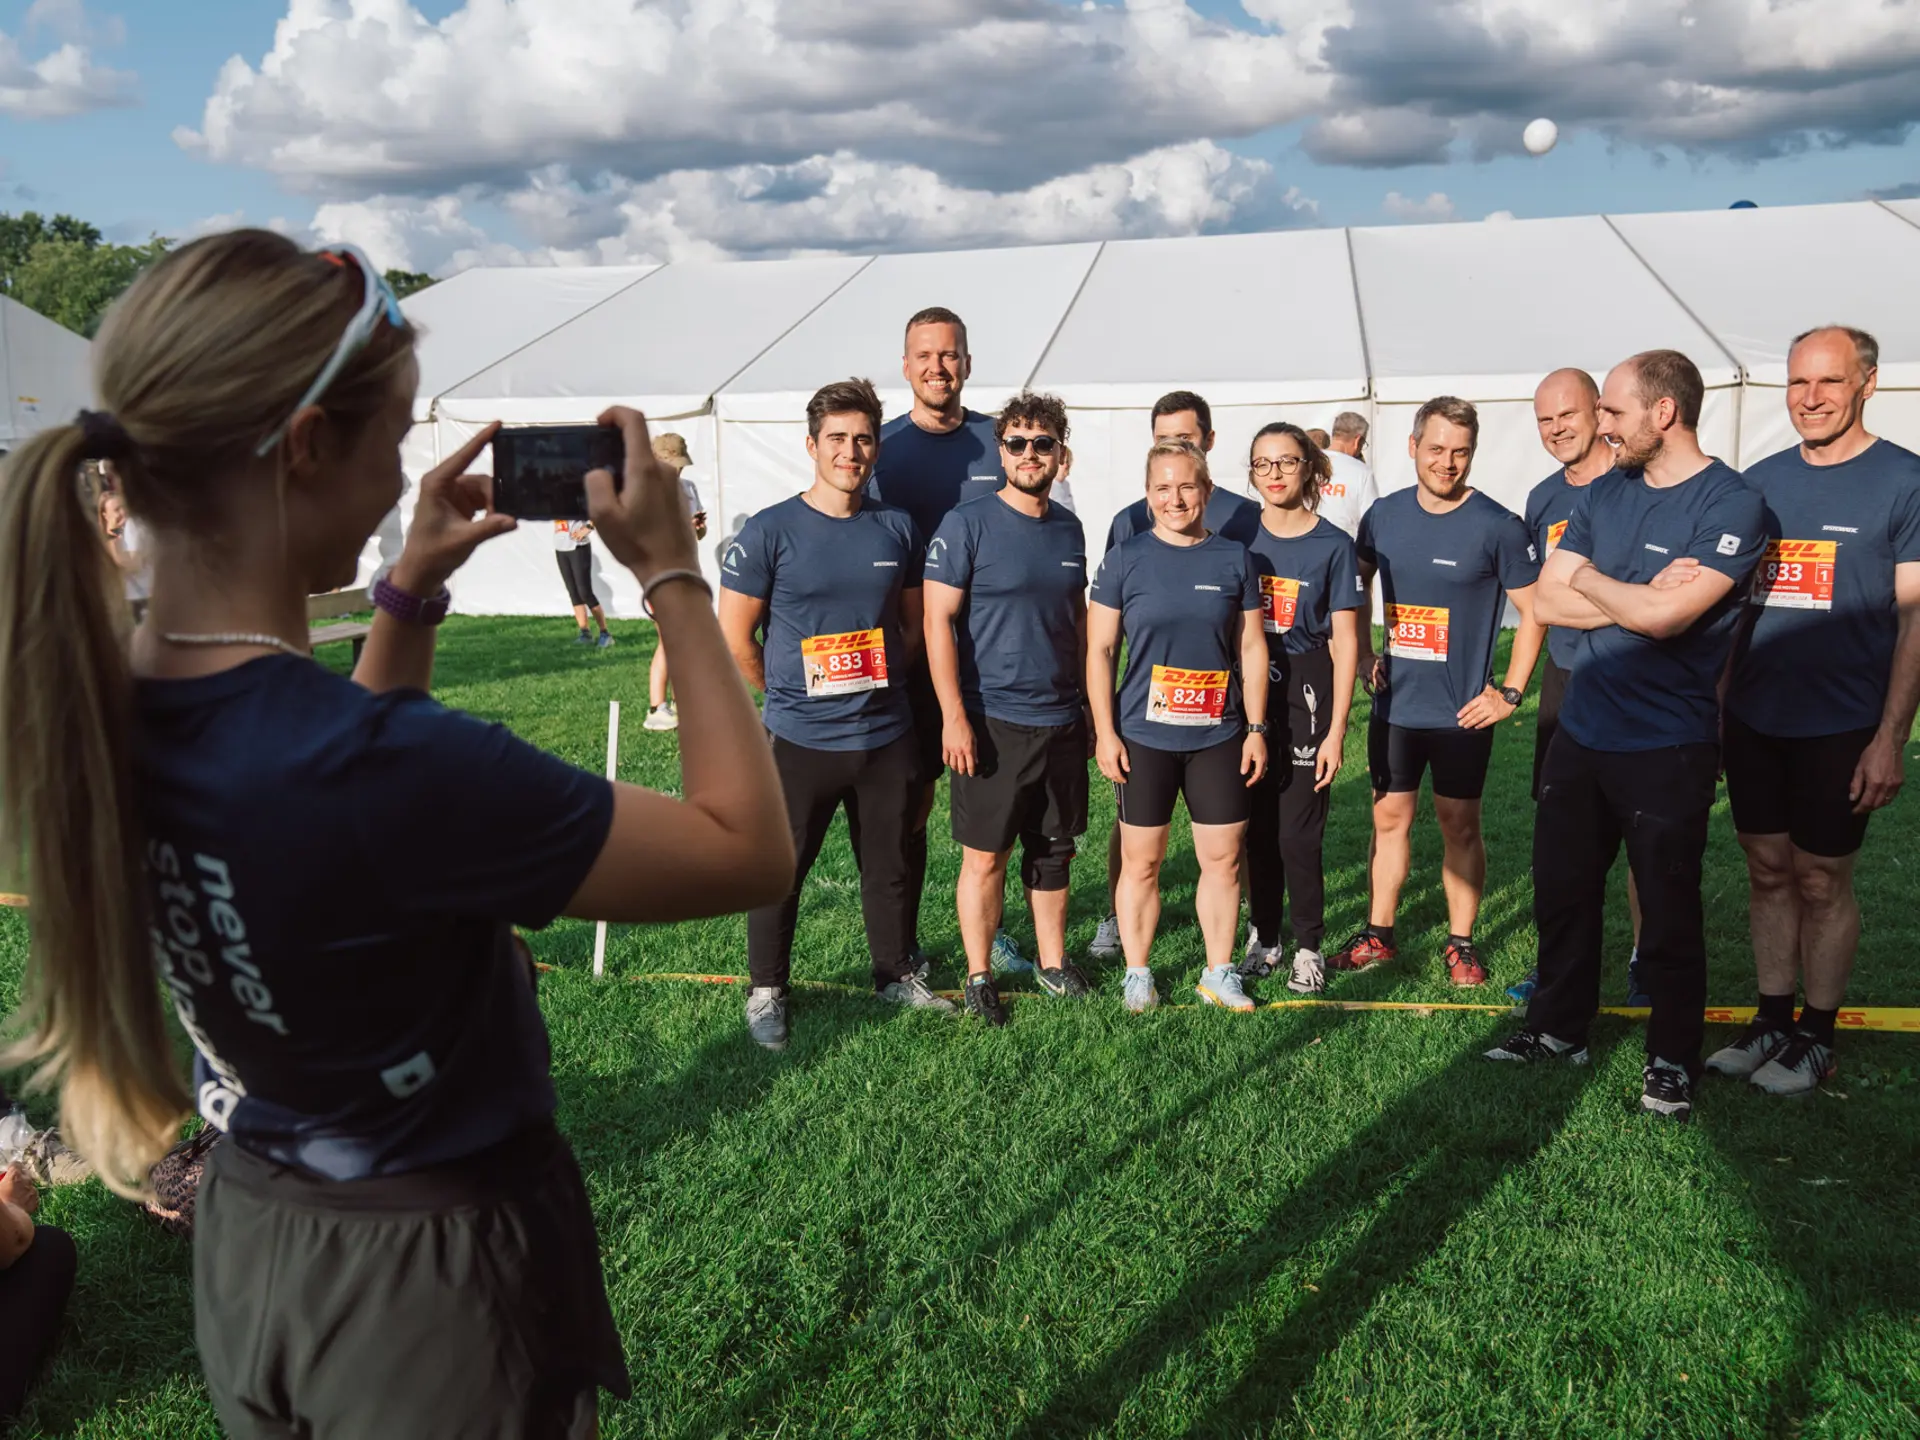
{"x": 1220, "y": 985}
{"x": 1106, "y": 939}
{"x": 1309, "y": 975}
{"x": 661, "y": 717}
{"x": 1140, "y": 994}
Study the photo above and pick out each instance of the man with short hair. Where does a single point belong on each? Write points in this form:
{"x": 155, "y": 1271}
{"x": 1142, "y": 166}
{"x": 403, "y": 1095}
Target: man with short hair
{"x": 1822, "y": 698}
{"x": 938, "y": 455}
{"x": 820, "y": 604}
{"x": 1177, "y": 415}
{"x": 1448, "y": 558}
{"x": 1350, "y": 493}
{"x": 1006, "y": 642}
{"x": 1650, "y": 571}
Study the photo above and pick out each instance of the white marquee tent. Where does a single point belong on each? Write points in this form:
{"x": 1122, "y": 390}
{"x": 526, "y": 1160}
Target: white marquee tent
{"x": 44, "y": 368}
{"x": 1295, "y": 325}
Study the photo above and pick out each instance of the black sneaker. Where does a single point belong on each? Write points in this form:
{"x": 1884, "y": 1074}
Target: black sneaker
{"x": 1064, "y": 981}
{"x": 984, "y": 1001}
{"x": 1529, "y": 1046}
{"x": 1668, "y": 1091}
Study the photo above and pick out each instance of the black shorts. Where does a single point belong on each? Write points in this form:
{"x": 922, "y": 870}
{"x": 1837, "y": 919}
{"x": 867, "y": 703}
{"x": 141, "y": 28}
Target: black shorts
{"x": 928, "y": 723}
{"x": 1553, "y": 689}
{"x": 462, "y": 1300}
{"x": 1398, "y": 757}
{"x": 576, "y": 569}
{"x": 1216, "y": 791}
{"x": 1030, "y": 784}
{"x": 1796, "y": 787}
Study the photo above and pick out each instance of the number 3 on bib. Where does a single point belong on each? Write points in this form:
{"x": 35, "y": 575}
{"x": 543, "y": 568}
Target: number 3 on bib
{"x": 1417, "y": 632}
{"x": 1187, "y": 697}
{"x": 844, "y": 664}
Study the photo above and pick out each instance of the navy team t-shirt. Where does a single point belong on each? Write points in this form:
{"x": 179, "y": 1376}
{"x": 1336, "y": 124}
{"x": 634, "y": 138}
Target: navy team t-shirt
{"x": 832, "y": 629}
{"x": 926, "y": 474}
{"x": 333, "y": 876}
{"x": 1181, "y": 609}
{"x": 1303, "y": 580}
{"x": 1631, "y": 692}
{"x": 1234, "y": 516}
{"x": 1821, "y": 651}
{"x": 1549, "y": 507}
{"x": 1444, "y": 580}
{"x": 1019, "y": 627}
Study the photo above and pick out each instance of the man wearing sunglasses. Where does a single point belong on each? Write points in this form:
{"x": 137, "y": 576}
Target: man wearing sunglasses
{"x": 1006, "y": 644}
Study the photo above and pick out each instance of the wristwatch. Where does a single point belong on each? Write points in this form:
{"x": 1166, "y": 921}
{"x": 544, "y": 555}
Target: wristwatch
{"x": 1510, "y": 695}
{"x": 1255, "y": 727}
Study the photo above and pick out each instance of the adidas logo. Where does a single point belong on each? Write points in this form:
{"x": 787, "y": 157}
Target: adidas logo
{"x": 1305, "y": 754}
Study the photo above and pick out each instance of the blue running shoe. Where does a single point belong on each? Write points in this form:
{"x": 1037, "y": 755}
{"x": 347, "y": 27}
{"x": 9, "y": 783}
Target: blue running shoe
{"x": 1006, "y": 958}
{"x": 1522, "y": 991}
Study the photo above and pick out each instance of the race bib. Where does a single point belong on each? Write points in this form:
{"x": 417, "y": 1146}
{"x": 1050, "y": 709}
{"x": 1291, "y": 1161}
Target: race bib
{"x": 1186, "y": 697}
{"x": 1417, "y": 632}
{"x": 845, "y": 664}
{"x": 1554, "y": 532}
{"x": 1279, "y": 603}
{"x": 1797, "y": 575}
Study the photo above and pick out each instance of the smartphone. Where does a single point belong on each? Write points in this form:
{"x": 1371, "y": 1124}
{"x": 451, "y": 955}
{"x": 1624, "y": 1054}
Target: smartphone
{"x": 540, "y": 471}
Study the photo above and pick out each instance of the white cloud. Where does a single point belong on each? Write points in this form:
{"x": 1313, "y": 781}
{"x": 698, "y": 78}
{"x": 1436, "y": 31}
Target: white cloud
{"x": 67, "y": 80}
{"x": 1435, "y": 207}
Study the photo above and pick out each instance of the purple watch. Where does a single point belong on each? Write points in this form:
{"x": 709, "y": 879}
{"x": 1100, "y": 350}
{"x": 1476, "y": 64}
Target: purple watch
{"x": 410, "y": 609}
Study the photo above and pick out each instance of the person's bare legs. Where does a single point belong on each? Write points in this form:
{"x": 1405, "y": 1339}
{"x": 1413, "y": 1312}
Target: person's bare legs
{"x": 1464, "y": 866}
{"x": 1136, "y": 898}
{"x": 657, "y": 677}
{"x": 580, "y": 616}
{"x": 981, "y": 899}
{"x": 1392, "y": 857}
{"x": 1773, "y": 912}
{"x": 1216, "y": 900}
{"x": 1829, "y": 926}
{"x": 1049, "y": 911}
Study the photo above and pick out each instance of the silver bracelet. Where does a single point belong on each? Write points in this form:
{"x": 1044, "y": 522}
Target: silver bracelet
{"x": 646, "y": 594}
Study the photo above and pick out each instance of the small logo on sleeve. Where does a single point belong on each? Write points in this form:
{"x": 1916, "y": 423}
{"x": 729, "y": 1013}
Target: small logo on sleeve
{"x": 1533, "y": 555}
{"x": 1729, "y": 545}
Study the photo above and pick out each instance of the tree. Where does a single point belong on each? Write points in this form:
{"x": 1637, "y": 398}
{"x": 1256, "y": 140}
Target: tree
{"x": 407, "y": 282}
{"x": 20, "y": 233}
{"x": 72, "y": 281}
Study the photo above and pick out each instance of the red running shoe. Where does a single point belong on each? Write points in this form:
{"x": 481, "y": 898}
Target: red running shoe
{"x": 1463, "y": 964}
{"x": 1361, "y": 952}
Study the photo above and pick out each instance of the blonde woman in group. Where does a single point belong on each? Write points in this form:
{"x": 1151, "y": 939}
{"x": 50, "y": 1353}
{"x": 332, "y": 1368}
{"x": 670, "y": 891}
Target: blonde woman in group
{"x": 393, "y": 1240}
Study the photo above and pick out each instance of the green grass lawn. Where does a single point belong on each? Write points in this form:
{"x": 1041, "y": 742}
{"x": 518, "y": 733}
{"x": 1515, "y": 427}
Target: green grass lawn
{"x": 1299, "y": 1223}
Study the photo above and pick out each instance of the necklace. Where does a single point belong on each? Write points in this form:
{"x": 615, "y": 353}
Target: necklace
{"x": 237, "y": 637}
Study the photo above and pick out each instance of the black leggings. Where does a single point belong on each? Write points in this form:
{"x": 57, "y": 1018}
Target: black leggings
{"x": 576, "y": 568}
{"x": 877, "y": 786}
{"x": 33, "y": 1293}
{"x": 1289, "y": 822}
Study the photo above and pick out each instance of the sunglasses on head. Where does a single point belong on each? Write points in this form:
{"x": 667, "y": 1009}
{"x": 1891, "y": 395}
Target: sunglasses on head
{"x": 380, "y": 303}
{"x": 1042, "y": 444}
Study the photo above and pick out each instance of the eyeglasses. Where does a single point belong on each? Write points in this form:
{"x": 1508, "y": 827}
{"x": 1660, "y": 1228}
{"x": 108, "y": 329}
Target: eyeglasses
{"x": 380, "y": 303}
{"x": 1042, "y": 444}
{"x": 1264, "y": 469}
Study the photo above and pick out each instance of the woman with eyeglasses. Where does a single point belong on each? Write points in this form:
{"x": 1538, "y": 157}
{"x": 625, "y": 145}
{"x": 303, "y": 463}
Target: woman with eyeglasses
{"x": 1187, "y": 719}
{"x": 1311, "y": 609}
{"x": 394, "y": 1239}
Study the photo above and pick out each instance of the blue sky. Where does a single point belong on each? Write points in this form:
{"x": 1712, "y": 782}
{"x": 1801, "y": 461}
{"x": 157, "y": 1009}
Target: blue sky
{"x": 556, "y": 190}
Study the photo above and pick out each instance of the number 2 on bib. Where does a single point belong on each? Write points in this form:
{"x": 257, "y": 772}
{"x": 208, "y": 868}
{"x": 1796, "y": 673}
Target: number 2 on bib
{"x": 1417, "y": 632}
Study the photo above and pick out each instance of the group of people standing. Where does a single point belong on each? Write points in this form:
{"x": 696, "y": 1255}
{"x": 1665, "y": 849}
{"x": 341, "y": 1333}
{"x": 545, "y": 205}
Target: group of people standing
{"x": 925, "y": 606}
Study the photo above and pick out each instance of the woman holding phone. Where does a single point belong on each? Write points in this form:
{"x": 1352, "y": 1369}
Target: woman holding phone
{"x": 394, "y": 1239}
{"x": 1189, "y": 717}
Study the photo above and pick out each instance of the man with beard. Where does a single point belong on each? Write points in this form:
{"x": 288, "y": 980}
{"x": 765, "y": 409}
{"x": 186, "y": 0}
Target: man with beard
{"x": 1650, "y": 571}
{"x": 1006, "y": 643}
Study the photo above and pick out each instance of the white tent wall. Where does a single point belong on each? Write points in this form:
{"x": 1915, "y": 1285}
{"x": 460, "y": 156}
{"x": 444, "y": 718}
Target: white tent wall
{"x": 46, "y": 370}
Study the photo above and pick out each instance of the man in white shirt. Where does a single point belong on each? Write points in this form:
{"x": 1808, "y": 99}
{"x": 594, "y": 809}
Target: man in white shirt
{"x": 1345, "y": 498}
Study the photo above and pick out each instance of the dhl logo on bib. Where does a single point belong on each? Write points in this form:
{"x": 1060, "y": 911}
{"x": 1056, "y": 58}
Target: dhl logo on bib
{"x": 1797, "y": 574}
{"x": 1279, "y": 603}
{"x": 1186, "y": 697}
{"x": 1417, "y": 632}
{"x": 845, "y": 664}
{"x": 1554, "y": 532}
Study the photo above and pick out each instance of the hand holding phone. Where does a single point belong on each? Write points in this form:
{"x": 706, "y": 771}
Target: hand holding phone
{"x": 644, "y": 523}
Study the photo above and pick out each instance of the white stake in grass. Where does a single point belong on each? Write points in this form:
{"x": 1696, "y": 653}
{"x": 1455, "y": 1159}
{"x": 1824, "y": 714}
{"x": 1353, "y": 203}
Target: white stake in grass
{"x": 613, "y": 760}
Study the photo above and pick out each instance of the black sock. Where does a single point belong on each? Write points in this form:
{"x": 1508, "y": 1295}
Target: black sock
{"x": 1778, "y": 1009}
{"x": 916, "y": 879}
{"x": 583, "y": 630}
{"x": 1459, "y": 939}
{"x": 1382, "y": 933}
{"x": 1818, "y": 1023}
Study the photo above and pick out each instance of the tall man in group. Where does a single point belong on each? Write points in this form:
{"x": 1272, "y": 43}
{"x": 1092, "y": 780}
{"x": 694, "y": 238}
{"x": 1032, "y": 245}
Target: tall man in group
{"x": 1650, "y": 569}
{"x": 1822, "y": 698}
{"x": 820, "y": 603}
{"x": 1006, "y": 617}
{"x": 1448, "y": 559}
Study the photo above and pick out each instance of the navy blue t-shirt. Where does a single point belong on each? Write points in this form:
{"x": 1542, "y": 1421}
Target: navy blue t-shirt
{"x": 1019, "y": 628}
{"x": 333, "y": 876}
{"x": 1303, "y": 580}
{"x": 1549, "y": 506}
{"x": 832, "y": 628}
{"x": 1444, "y": 580}
{"x": 1181, "y": 609}
{"x": 926, "y": 474}
{"x": 1234, "y": 516}
{"x": 1629, "y": 691}
{"x": 1821, "y": 650}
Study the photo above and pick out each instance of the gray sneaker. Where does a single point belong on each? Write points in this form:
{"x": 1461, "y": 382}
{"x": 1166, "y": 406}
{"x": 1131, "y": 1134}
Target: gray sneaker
{"x": 1140, "y": 994}
{"x": 1751, "y": 1049}
{"x": 767, "y": 1017}
{"x": 1798, "y": 1068}
{"x": 914, "y": 993}
{"x": 1106, "y": 939}
{"x": 1220, "y": 985}
{"x": 1309, "y": 975}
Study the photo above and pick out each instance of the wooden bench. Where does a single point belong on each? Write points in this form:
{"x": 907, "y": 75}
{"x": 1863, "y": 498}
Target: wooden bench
{"x": 332, "y": 605}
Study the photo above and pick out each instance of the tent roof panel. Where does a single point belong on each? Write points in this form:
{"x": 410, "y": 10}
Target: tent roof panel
{"x": 1012, "y": 301}
{"x": 1738, "y": 270}
{"x": 664, "y": 346}
{"x": 1484, "y": 306}
{"x": 1206, "y": 311}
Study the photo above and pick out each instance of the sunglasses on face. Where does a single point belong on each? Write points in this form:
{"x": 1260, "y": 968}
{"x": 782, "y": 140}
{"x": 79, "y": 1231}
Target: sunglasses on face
{"x": 1042, "y": 444}
{"x": 379, "y": 303}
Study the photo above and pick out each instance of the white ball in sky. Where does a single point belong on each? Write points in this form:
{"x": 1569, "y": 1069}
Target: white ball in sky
{"x": 1540, "y": 136}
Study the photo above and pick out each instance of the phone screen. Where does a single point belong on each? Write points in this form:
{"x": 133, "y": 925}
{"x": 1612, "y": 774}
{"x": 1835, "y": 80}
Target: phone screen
{"x": 540, "y": 471}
